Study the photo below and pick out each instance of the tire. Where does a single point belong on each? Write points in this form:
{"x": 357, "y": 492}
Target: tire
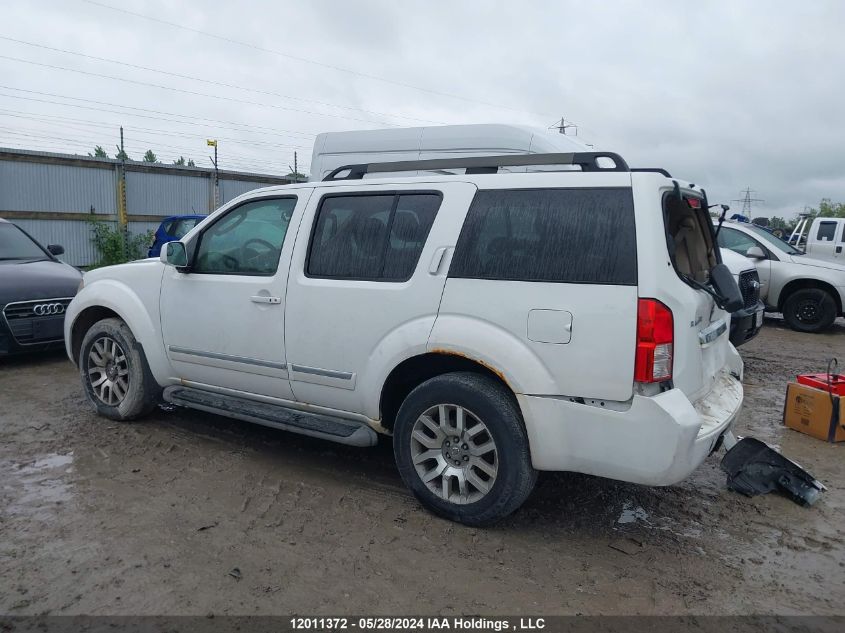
{"x": 110, "y": 355}
{"x": 809, "y": 310}
{"x": 507, "y": 474}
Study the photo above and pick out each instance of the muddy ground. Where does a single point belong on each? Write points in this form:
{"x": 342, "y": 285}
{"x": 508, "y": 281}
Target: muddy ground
{"x": 188, "y": 513}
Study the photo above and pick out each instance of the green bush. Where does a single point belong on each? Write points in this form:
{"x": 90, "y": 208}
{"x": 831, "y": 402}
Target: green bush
{"x": 114, "y": 246}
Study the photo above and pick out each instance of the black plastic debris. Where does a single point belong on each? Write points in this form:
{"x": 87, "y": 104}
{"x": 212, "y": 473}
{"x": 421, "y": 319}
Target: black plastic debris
{"x": 754, "y": 468}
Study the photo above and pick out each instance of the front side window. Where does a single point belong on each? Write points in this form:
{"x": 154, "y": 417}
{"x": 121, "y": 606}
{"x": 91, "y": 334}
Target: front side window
{"x": 826, "y": 231}
{"x": 247, "y": 240}
{"x": 375, "y": 237}
{"x": 736, "y": 241}
{"x": 553, "y": 235}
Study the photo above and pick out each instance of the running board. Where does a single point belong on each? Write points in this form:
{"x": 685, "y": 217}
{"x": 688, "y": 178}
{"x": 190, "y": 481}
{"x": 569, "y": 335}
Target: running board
{"x": 273, "y": 415}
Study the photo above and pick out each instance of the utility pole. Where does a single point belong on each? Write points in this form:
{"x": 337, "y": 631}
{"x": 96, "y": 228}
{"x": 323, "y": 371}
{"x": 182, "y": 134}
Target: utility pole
{"x": 122, "y": 215}
{"x": 563, "y": 125}
{"x": 746, "y": 201}
{"x": 293, "y": 169}
{"x": 213, "y": 143}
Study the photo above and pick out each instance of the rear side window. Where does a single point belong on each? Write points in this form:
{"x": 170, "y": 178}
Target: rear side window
{"x": 371, "y": 237}
{"x": 557, "y": 235}
{"x": 827, "y": 230}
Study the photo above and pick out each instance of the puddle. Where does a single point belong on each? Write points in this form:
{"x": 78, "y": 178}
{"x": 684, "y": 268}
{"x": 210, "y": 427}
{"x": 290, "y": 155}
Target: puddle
{"x": 36, "y": 488}
{"x": 631, "y": 514}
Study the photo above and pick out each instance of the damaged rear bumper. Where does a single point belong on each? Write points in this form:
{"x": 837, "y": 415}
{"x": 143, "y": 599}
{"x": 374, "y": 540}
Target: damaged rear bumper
{"x": 655, "y": 440}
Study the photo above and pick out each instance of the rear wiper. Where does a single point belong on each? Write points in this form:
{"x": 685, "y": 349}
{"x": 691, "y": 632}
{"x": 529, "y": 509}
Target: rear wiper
{"x": 719, "y": 299}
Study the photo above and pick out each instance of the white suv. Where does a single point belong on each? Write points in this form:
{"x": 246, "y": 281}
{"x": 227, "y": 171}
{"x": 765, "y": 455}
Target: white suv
{"x": 494, "y": 324}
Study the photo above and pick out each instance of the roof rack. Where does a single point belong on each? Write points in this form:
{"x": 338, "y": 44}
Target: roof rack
{"x": 588, "y": 161}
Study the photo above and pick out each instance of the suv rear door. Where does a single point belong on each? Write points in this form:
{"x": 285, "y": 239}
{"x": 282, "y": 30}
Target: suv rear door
{"x": 366, "y": 280}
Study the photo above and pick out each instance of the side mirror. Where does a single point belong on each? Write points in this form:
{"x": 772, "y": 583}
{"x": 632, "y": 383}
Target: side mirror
{"x": 725, "y": 286}
{"x": 174, "y": 254}
{"x": 55, "y": 249}
{"x": 755, "y": 252}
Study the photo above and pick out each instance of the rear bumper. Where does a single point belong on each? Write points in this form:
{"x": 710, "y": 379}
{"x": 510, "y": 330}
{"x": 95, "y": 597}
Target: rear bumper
{"x": 657, "y": 440}
{"x": 744, "y": 324}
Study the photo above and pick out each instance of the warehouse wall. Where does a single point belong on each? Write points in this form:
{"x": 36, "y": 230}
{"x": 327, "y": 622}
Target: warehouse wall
{"x": 51, "y": 196}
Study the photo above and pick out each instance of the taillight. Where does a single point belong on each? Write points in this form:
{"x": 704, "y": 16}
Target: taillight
{"x": 655, "y": 339}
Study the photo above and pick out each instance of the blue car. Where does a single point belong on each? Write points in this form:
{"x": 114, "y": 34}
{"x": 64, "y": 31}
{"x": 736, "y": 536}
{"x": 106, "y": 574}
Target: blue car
{"x": 171, "y": 229}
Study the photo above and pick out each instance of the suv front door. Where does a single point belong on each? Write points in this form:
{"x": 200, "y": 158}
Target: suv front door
{"x": 223, "y": 318}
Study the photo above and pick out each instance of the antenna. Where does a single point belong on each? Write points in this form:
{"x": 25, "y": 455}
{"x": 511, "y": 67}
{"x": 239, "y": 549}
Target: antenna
{"x": 746, "y": 201}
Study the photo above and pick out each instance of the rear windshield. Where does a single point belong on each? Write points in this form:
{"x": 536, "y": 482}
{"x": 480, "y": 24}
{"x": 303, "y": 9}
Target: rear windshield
{"x": 689, "y": 238}
{"x": 553, "y": 235}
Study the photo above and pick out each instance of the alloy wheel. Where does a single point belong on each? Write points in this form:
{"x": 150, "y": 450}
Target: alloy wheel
{"x": 454, "y": 453}
{"x": 108, "y": 371}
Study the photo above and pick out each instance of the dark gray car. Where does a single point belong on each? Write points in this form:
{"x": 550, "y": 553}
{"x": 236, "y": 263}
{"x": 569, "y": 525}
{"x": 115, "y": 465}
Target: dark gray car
{"x": 35, "y": 290}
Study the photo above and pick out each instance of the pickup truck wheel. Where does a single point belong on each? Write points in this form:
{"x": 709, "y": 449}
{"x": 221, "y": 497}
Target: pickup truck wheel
{"x": 114, "y": 371}
{"x": 809, "y": 310}
{"x": 461, "y": 448}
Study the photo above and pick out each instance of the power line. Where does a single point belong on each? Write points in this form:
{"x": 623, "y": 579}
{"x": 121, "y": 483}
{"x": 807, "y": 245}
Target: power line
{"x": 194, "y": 118}
{"x": 189, "y": 92}
{"x": 69, "y": 121}
{"x": 216, "y": 83}
{"x": 311, "y": 61}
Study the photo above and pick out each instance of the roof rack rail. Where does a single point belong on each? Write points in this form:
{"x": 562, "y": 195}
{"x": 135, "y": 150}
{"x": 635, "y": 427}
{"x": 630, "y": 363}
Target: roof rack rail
{"x": 588, "y": 161}
{"x": 658, "y": 170}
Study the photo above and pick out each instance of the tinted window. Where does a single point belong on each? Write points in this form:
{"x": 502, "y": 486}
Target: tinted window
{"x": 374, "y": 237}
{"x": 736, "y": 241}
{"x": 826, "y": 231}
{"x": 560, "y": 235}
{"x": 247, "y": 240}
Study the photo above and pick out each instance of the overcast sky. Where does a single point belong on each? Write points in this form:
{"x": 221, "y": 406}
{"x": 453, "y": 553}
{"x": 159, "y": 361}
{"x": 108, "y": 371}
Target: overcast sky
{"x": 727, "y": 94}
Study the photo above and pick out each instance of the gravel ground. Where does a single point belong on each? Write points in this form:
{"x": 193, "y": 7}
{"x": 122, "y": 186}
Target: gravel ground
{"x": 188, "y": 513}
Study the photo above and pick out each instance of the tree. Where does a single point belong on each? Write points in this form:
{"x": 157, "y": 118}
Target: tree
{"x": 828, "y": 209}
{"x": 121, "y": 155}
{"x": 150, "y": 157}
{"x": 179, "y": 161}
{"x": 296, "y": 176}
{"x": 191, "y": 163}
{"x": 99, "y": 152}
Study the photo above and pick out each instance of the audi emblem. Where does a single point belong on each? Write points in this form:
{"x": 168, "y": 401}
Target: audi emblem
{"x": 44, "y": 309}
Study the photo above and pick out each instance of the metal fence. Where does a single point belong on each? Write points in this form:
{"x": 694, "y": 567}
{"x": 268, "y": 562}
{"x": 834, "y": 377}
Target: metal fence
{"x": 53, "y": 197}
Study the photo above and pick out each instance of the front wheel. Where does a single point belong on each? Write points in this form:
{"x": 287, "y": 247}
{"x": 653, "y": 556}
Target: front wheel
{"x": 114, "y": 372}
{"x": 461, "y": 448}
{"x": 809, "y": 310}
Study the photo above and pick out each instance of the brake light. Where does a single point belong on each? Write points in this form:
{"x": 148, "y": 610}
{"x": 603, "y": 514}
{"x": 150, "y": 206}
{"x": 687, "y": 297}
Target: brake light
{"x": 693, "y": 203}
{"x": 655, "y": 342}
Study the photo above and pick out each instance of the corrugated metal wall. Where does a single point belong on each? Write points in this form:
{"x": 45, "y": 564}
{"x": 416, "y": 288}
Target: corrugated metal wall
{"x": 231, "y": 189}
{"x": 75, "y": 236}
{"x": 40, "y": 183}
{"x": 166, "y": 194}
{"x": 27, "y": 186}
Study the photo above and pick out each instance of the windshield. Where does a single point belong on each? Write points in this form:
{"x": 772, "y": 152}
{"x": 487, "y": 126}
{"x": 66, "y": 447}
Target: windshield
{"x": 773, "y": 240}
{"x": 15, "y": 244}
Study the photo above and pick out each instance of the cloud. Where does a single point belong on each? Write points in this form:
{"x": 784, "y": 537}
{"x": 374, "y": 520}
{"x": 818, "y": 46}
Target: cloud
{"x": 726, "y": 94}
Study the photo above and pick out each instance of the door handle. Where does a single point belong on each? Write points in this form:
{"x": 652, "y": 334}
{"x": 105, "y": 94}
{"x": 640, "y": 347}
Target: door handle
{"x": 838, "y": 249}
{"x": 437, "y": 260}
{"x": 265, "y": 299}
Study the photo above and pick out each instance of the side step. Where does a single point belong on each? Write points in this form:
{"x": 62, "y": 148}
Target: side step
{"x": 278, "y": 417}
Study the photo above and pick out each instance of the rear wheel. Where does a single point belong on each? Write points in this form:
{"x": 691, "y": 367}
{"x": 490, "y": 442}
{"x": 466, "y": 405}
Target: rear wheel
{"x": 114, "y": 372}
{"x": 461, "y": 448}
{"x": 809, "y": 310}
